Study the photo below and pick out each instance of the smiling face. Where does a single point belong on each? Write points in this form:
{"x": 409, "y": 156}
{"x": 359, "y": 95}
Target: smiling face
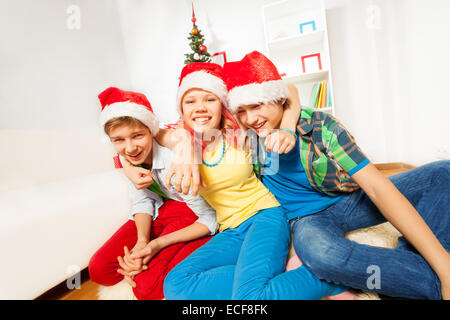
{"x": 202, "y": 110}
{"x": 133, "y": 142}
{"x": 262, "y": 118}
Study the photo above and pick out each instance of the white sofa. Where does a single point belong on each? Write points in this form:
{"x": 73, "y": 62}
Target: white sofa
{"x": 50, "y": 230}
{"x": 60, "y": 200}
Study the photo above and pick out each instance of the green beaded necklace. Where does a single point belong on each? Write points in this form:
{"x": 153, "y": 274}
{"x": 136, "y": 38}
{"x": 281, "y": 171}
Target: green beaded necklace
{"x": 221, "y": 157}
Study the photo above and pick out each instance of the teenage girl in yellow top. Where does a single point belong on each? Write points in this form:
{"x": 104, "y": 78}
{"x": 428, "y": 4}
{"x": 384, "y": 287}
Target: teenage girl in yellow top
{"x": 246, "y": 259}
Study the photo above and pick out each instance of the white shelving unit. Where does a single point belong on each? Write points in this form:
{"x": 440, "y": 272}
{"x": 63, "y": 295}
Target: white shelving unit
{"x": 285, "y": 45}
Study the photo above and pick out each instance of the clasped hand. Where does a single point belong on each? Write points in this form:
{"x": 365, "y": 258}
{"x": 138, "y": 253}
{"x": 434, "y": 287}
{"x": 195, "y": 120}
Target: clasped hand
{"x": 135, "y": 261}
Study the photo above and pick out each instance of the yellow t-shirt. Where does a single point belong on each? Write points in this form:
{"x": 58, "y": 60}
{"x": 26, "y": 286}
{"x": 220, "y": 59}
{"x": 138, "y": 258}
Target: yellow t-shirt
{"x": 233, "y": 189}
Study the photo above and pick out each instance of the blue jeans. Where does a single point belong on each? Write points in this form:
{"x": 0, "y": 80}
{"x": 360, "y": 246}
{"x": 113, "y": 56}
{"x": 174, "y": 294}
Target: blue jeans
{"x": 246, "y": 262}
{"x": 319, "y": 239}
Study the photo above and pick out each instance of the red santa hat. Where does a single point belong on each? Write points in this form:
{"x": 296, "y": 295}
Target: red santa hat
{"x": 202, "y": 75}
{"x": 119, "y": 103}
{"x": 253, "y": 80}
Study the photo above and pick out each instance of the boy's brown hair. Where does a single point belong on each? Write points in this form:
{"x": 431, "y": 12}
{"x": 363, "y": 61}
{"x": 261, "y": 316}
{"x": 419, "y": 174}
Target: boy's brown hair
{"x": 120, "y": 121}
{"x": 286, "y": 104}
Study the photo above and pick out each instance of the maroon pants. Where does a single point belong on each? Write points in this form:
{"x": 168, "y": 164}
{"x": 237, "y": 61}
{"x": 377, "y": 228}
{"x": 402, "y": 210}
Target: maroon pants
{"x": 172, "y": 216}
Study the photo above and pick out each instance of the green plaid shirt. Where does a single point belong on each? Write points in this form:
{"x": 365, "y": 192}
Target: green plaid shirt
{"x": 329, "y": 153}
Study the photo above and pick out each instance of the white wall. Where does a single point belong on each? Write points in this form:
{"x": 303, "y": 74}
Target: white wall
{"x": 427, "y": 68}
{"x": 390, "y": 81}
{"x": 355, "y": 70}
{"x": 49, "y": 81}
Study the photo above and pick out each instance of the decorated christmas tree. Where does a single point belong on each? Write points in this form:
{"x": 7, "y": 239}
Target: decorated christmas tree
{"x": 200, "y": 52}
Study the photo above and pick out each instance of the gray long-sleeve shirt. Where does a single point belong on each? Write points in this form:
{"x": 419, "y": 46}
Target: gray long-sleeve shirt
{"x": 148, "y": 202}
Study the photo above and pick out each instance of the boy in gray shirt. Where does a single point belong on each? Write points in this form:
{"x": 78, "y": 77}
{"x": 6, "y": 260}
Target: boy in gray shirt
{"x": 164, "y": 224}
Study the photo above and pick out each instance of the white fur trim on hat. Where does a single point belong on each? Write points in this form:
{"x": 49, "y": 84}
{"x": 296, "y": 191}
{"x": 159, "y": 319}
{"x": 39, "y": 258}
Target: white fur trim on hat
{"x": 130, "y": 109}
{"x": 205, "y": 81}
{"x": 265, "y": 92}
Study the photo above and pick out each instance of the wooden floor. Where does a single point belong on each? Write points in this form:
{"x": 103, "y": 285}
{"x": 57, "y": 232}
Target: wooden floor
{"x": 89, "y": 289}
